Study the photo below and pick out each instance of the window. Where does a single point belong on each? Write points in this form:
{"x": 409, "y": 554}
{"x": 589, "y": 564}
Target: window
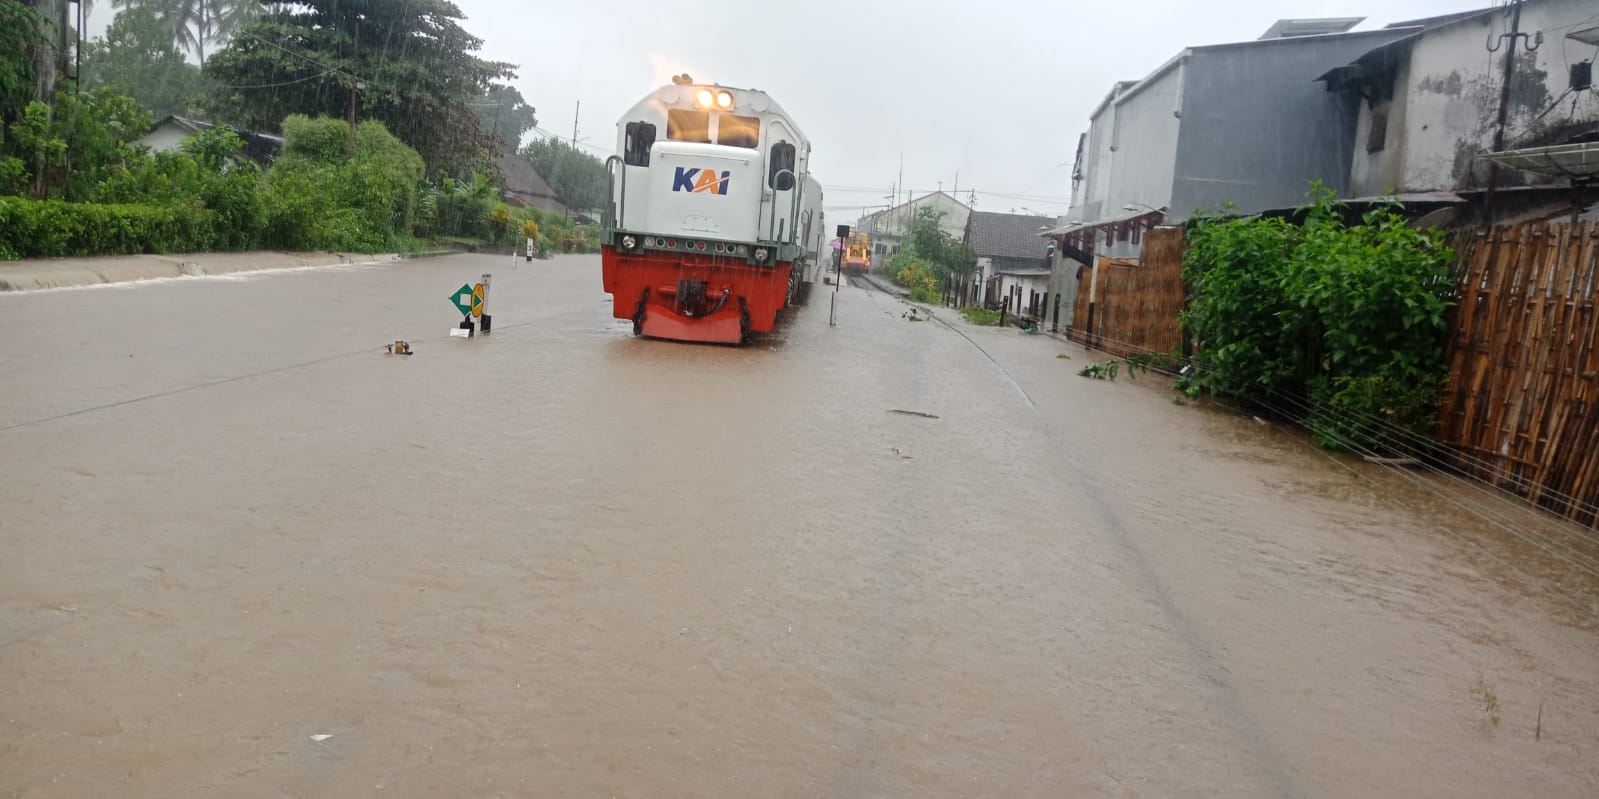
{"x": 1379, "y": 131}
{"x": 737, "y": 131}
{"x": 694, "y": 126}
{"x": 640, "y": 138}
{"x": 782, "y": 158}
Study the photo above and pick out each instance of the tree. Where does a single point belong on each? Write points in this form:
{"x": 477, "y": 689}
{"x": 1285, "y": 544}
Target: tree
{"x": 929, "y": 257}
{"x": 579, "y": 179}
{"x": 410, "y": 65}
{"x": 503, "y": 112}
{"x": 20, "y": 28}
{"x": 138, "y": 58}
{"x": 48, "y": 48}
{"x": 190, "y": 24}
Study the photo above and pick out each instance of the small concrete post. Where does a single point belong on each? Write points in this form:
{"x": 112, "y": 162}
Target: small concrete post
{"x": 484, "y": 313}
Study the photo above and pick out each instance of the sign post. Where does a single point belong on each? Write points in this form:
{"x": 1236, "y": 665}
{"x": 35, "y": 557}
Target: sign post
{"x": 480, "y": 292}
{"x": 838, "y": 276}
{"x": 464, "y": 300}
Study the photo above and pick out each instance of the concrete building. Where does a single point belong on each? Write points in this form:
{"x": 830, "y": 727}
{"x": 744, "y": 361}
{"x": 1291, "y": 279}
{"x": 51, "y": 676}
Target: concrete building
{"x": 887, "y": 227}
{"x": 1243, "y": 123}
{"x": 171, "y": 132}
{"x": 1011, "y": 257}
{"x": 1428, "y": 102}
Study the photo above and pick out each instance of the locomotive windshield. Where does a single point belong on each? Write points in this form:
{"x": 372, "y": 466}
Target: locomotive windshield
{"x": 693, "y": 126}
{"x": 737, "y": 131}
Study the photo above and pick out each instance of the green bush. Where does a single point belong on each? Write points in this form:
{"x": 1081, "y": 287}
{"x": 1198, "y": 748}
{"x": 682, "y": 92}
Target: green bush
{"x": 314, "y": 198}
{"x": 1345, "y": 319}
{"x": 54, "y": 228}
{"x": 978, "y": 315}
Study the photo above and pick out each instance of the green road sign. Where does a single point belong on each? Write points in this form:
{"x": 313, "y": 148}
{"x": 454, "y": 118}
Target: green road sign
{"x": 463, "y": 299}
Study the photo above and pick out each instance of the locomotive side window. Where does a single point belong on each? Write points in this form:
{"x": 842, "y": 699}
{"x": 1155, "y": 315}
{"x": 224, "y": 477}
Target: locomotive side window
{"x": 640, "y": 138}
{"x": 782, "y": 158}
{"x": 694, "y": 126}
{"x": 736, "y": 131}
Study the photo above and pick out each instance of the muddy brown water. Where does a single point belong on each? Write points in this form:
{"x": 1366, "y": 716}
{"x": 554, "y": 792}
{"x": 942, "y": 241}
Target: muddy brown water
{"x": 247, "y": 553}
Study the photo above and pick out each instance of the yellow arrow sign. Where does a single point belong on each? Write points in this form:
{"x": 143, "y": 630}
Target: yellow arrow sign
{"x": 477, "y": 300}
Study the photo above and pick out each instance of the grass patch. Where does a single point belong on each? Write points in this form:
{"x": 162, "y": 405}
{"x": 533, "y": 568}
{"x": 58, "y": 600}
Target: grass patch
{"x": 1490, "y": 702}
{"x": 978, "y": 315}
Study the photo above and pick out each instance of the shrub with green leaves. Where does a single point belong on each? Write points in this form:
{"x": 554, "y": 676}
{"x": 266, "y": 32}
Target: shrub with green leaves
{"x": 54, "y": 228}
{"x": 1345, "y": 319}
{"x": 978, "y": 315}
{"x": 316, "y": 198}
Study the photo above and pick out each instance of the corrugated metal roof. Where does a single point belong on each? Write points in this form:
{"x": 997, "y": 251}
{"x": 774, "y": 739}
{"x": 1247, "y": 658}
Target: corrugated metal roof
{"x": 996, "y": 235}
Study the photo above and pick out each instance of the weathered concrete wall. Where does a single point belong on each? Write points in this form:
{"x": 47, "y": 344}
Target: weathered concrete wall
{"x": 1452, "y": 92}
{"x": 1257, "y": 127}
{"x": 1381, "y": 171}
{"x": 892, "y": 223}
{"x": 166, "y": 138}
{"x": 1144, "y": 158}
{"x": 1088, "y": 194}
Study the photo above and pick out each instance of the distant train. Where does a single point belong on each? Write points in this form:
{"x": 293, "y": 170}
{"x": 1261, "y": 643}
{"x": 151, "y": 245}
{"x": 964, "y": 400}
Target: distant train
{"x": 715, "y": 226}
{"x": 857, "y": 254}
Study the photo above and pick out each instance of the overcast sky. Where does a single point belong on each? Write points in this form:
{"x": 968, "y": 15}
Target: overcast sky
{"x": 996, "y": 90}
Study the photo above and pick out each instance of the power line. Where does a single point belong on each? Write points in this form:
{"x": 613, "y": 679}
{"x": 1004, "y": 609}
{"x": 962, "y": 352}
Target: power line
{"x": 249, "y": 35}
{"x": 284, "y": 83}
{"x": 1305, "y": 409}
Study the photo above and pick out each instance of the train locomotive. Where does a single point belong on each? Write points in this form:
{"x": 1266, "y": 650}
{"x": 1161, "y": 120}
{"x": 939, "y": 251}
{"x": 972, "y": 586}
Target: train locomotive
{"x": 715, "y": 222}
{"x": 857, "y": 258}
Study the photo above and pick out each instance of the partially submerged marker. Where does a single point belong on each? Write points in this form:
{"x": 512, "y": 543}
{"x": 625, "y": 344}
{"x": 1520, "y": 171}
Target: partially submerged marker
{"x": 471, "y": 301}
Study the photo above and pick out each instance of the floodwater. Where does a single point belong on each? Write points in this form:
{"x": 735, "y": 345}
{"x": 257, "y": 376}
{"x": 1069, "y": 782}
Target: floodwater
{"x": 247, "y": 553}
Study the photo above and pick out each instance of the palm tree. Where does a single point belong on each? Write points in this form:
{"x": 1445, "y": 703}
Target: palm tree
{"x": 196, "y": 22}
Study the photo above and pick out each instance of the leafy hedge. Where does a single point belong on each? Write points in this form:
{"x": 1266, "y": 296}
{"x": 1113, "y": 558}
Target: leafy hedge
{"x": 53, "y": 228}
{"x": 74, "y": 181}
{"x": 1345, "y": 320}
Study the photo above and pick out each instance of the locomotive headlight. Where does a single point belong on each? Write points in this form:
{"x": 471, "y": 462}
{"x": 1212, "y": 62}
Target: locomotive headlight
{"x": 760, "y": 254}
{"x": 628, "y": 242}
{"x": 724, "y": 100}
{"x": 704, "y": 98}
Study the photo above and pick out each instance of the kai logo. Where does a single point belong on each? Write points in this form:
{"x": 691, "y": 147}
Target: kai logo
{"x": 700, "y": 180}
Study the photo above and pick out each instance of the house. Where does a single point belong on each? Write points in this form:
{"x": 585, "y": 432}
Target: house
{"x": 1428, "y": 103}
{"x": 524, "y": 187}
{"x": 1012, "y": 260}
{"x": 1242, "y": 123}
{"x": 169, "y": 134}
{"x": 887, "y": 227}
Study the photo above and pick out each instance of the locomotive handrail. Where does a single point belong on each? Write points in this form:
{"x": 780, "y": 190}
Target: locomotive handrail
{"x": 617, "y": 209}
{"x": 793, "y": 203}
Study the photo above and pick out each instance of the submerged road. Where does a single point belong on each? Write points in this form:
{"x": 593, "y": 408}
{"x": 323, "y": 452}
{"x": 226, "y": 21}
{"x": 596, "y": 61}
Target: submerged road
{"x": 246, "y": 553}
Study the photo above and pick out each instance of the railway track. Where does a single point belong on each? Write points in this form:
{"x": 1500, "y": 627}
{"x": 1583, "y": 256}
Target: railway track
{"x": 870, "y": 283}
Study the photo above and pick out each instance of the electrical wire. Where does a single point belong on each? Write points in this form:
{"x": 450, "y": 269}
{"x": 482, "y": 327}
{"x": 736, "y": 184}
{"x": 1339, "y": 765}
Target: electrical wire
{"x": 275, "y": 85}
{"x": 1435, "y": 453}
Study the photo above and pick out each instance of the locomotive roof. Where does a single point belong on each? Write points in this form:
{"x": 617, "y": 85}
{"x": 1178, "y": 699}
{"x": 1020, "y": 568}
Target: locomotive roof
{"x": 661, "y": 96}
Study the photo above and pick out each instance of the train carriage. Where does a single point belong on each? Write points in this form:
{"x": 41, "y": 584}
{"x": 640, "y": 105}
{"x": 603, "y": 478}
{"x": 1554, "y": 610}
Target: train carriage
{"x": 715, "y": 222}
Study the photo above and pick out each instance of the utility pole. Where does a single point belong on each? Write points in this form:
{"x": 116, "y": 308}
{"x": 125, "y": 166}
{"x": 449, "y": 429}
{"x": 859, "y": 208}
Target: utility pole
{"x": 1504, "y": 104}
{"x": 576, "y": 112}
{"x": 899, "y": 186}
